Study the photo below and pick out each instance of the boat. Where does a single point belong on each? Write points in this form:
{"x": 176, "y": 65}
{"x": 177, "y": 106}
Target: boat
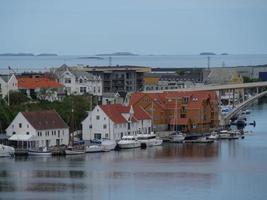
{"x": 149, "y": 139}
{"x": 176, "y": 137}
{"x": 213, "y": 136}
{"x": 39, "y": 152}
{"x": 74, "y": 151}
{"x": 93, "y": 148}
{"x": 225, "y": 134}
{"x": 129, "y": 142}
{"x": 103, "y": 145}
{"x": 246, "y": 112}
{"x": 196, "y": 138}
{"x": 108, "y": 145}
{"x": 6, "y": 151}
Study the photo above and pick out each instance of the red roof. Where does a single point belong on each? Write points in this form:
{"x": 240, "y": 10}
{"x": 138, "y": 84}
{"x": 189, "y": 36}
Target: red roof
{"x": 43, "y": 120}
{"x": 115, "y": 111}
{"x": 34, "y": 83}
{"x": 164, "y": 99}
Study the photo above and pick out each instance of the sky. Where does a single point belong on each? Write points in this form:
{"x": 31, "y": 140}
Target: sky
{"x": 88, "y": 27}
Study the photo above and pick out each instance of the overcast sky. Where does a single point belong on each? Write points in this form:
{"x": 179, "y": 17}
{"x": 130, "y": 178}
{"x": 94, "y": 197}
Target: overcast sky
{"x": 72, "y": 27}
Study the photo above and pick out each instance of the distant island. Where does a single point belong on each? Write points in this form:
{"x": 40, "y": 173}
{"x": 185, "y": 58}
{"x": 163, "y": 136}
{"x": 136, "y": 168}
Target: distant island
{"x": 224, "y": 54}
{"x": 27, "y": 54}
{"x": 47, "y": 54}
{"x": 207, "y": 54}
{"x": 92, "y": 57}
{"x": 118, "y": 54}
{"x": 16, "y": 54}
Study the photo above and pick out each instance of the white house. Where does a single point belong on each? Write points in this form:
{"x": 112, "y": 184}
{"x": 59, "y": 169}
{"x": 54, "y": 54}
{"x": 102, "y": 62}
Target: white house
{"x": 79, "y": 82}
{"x": 7, "y": 82}
{"x": 38, "y": 129}
{"x": 114, "y": 121}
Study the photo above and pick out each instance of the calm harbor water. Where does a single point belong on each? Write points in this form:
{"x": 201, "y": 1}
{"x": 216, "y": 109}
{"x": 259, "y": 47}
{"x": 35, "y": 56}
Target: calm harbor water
{"x": 223, "y": 170}
{"x": 21, "y": 63}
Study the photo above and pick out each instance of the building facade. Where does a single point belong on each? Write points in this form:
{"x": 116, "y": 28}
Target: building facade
{"x": 185, "y": 111}
{"x": 40, "y": 88}
{"x": 79, "y": 82}
{"x": 114, "y": 121}
{"x": 7, "y": 83}
{"x": 38, "y": 129}
{"x": 120, "y": 78}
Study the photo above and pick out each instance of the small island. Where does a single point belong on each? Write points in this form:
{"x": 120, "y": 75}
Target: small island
{"x": 16, "y": 54}
{"x": 92, "y": 57}
{"x": 224, "y": 54}
{"x": 118, "y": 54}
{"x": 47, "y": 54}
{"x": 207, "y": 54}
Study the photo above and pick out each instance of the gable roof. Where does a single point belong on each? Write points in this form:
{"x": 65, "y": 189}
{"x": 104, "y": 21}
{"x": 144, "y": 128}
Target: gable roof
{"x": 163, "y": 99}
{"x": 43, "y": 120}
{"x": 79, "y": 73}
{"x": 33, "y": 83}
{"x": 115, "y": 111}
{"x": 5, "y": 77}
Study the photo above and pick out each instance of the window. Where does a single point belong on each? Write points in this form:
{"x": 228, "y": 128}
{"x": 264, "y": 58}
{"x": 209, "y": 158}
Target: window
{"x": 97, "y": 117}
{"x": 104, "y": 126}
{"x": 106, "y": 135}
{"x": 27, "y": 125}
{"x": 67, "y": 80}
{"x": 14, "y": 133}
{"x": 90, "y": 126}
{"x": 183, "y": 115}
{"x": 20, "y": 125}
{"x": 185, "y": 100}
{"x": 129, "y": 126}
{"x": 28, "y": 133}
{"x": 82, "y": 89}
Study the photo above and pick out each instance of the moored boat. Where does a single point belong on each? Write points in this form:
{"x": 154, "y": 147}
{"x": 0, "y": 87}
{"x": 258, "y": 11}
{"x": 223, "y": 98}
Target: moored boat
{"x": 103, "y": 145}
{"x": 129, "y": 142}
{"x": 213, "y": 136}
{"x": 74, "y": 151}
{"x": 228, "y": 134}
{"x": 176, "y": 137}
{"x": 6, "y": 151}
{"x": 149, "y": 139}
{"x": 40, "y": 152}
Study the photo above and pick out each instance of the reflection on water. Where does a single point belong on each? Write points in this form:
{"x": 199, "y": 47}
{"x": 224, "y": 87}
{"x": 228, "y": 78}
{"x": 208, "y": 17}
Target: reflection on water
{"x": 222, "y": 170}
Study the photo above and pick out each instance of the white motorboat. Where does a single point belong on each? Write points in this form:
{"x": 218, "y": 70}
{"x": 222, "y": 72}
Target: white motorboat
{"x": 6, "y": 151}
{"x": 108, "y": 145}
{"x": 103, "y": 145}
{"x": 40, "y": 152}
{"x": 225, "y": 134}
{"x": 149, "y": 139}
{"x": 74, "y": 151}
{"x": 129, "y": 142}
{"x": 213, "y": 136}
{"x": 176, "y": 137}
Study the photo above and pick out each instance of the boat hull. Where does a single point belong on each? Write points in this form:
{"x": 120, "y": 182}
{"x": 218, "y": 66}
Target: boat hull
{"x": 35, "y": 153}
{"x": 73, "y": 152}
{"x": 129, "y": 145}
{"x": 94, "y": 149}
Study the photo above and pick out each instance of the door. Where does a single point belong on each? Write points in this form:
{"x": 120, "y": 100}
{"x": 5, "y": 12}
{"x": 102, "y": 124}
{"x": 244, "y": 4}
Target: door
{"x": 47, "y": 143}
